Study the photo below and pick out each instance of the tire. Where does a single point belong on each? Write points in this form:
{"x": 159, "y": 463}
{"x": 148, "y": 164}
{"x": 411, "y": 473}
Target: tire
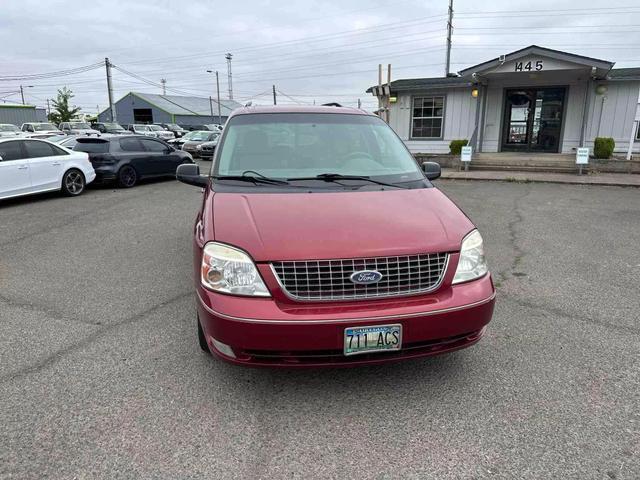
{"x": 73, "y": 183}
{"x": 201, "y": 339}
{"x": 127, "y": 177}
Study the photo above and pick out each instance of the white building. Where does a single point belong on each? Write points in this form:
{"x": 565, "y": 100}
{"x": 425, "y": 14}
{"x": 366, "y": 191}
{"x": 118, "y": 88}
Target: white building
{"x": 531, "y": 100}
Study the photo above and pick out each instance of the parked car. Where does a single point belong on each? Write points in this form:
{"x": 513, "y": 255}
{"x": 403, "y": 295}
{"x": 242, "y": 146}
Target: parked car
{"x": 77, "y": 128}
{"x": 206, "y": 150}
{"x": 8, "y": 130}
{"x": 109, "y": 127}
{"x": 214, "y": 127}
{"x": 29, "y": 165}
{"x": 194, "y": 128}
{"x": 162, "y": 133}
{"x": 198, "y": 138}
{"x": 127, "y": 159}
{"x": 177, "y": 130}
{"x": 69, "y": 141}
{"x": 40, "y": 129}
{"x": 140, "y": 129}
{"x": 329, "y": 245}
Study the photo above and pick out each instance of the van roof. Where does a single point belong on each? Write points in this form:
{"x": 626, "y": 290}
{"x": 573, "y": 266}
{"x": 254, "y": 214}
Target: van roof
{"x": 297, "y": 109}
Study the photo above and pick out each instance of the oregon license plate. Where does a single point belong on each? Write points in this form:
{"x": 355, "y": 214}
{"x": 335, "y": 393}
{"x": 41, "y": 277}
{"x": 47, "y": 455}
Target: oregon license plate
{"x": 378, "y": 338}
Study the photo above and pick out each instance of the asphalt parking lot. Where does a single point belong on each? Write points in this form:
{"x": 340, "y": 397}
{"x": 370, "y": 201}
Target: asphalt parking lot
{"x": 101, "y": 375}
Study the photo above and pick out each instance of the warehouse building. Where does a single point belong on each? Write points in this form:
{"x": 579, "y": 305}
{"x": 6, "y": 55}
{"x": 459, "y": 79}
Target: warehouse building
{"x": 531, "y": 100}
{"x": 137, "y": 107}
{"x": 18, "y": 114}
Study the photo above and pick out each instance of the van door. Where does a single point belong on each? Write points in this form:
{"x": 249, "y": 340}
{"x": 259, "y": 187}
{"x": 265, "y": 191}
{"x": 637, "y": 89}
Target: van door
{"x": 14, "y": 170}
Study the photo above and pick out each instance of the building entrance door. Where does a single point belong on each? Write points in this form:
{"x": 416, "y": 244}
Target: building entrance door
{"x": 533, "y": 119}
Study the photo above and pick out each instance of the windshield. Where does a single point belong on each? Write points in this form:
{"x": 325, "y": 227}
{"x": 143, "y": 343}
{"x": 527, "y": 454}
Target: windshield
{"x": 80, "y": 125}
{"x": 155, "y": 127}
{"x": 58, "y": 138}
{"x": 308, "y": 144}
{"x": 173, "y": 126}
{"x": 113, "y": 126}
{"x": 9, "y": 128}
{"x": 39, "y": 127}
{"x": 144, "y": 128}
{"x": 197, "y": 136}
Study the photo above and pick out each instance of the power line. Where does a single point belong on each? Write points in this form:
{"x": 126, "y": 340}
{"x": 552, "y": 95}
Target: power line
{"x": 59, "y": 73}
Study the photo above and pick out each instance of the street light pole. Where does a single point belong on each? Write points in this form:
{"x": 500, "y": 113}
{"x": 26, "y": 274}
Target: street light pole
{"x": 22, "y": 94}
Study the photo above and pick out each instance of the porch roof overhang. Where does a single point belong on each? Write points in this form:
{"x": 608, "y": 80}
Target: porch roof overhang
{"x": 413, "y": 84}
{"x": 600, "y": 67}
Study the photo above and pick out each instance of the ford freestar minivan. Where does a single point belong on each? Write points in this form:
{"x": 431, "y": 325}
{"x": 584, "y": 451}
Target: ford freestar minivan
{"x": 321, "y": 242}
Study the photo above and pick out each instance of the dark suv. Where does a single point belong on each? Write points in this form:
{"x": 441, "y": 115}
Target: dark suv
{"x": 127, "y": 159}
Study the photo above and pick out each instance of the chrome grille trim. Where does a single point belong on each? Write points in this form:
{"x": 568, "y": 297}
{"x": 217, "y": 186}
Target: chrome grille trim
{"x": 328, "y": 280}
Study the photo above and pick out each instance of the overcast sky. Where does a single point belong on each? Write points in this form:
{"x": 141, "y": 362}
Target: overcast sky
{"x": 322, "y": 51}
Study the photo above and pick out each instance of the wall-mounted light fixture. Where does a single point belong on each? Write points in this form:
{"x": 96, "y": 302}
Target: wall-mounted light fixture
{"x": 601, "y": 89}
{"x": 474, "y": 92}
{"x": 393, "y": 99}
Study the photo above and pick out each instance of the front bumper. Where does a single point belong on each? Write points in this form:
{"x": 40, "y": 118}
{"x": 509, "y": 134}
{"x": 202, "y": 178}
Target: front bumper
{"x": 268, "y": 332}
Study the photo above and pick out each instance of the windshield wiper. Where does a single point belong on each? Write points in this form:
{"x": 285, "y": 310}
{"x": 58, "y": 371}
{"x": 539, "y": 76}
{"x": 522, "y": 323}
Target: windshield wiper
{"x": 334, "y": 177}
{"x": 256, "y": 178}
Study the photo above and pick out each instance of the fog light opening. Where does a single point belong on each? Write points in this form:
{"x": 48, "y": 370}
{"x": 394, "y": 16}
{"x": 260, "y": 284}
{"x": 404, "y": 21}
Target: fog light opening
{"x": 223, "y": 348}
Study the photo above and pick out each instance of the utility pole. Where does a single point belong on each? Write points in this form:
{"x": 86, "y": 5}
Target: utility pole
{"x": 388, "y": 94}
{"x": 48, "y": 108}
{"x": 228, "y": 56}
{"x": 449, "y": 31}
{"x": 163, "y": 81}
{"x": 380, "y": 90}
{"x": 218, "y": 92}
{"x": 112, "y": 108}
{"x": 22, "y": 93}
{"x": 359, "y": 104}
{"x": 275, "y": 101}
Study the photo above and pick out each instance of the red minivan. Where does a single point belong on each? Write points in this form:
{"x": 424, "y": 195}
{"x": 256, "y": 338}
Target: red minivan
{"x": 322, "y": 242}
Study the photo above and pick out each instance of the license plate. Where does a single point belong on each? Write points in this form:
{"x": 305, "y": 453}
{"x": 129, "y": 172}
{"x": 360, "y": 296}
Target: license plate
{"x": 378, "y": 338}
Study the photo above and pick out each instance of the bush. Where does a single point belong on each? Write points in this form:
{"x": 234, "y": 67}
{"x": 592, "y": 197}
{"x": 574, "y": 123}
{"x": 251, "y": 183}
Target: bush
{"x": 455, "y": 147}
{"x": 603, "y": 147}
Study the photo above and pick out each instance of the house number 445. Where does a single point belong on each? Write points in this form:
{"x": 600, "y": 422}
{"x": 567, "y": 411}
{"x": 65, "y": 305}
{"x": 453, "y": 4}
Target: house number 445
{"x": 529, "y": 66}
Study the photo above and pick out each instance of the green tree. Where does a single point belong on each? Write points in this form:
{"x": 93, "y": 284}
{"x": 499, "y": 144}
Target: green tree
{"x": 61, "y": 111}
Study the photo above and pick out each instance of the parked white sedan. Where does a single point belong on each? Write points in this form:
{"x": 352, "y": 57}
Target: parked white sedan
{"x": 32, "y": 166}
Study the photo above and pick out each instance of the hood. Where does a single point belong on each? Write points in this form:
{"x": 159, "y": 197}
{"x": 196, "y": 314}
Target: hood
{"x": 302, "y": 226}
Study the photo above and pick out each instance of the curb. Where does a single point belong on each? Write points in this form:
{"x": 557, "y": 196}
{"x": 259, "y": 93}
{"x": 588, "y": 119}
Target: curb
{"x": 525, "y": 179}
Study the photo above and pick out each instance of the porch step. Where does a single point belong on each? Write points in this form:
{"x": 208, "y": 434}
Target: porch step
{"x": 572, "y": 168}
{"x": 525, "y": 162}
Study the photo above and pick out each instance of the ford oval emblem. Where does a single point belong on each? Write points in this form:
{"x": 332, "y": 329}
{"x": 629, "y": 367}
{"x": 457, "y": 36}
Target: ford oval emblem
{"x": 365, "y": 277}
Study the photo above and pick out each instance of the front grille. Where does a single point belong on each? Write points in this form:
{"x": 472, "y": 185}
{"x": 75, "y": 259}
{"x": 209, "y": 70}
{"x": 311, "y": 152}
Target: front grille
{"x": 330, "y": 279}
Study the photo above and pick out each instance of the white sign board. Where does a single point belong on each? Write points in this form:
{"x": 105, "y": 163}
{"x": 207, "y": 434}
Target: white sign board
{"x": 582, "y": 156}
{"x": 465, "y": 154}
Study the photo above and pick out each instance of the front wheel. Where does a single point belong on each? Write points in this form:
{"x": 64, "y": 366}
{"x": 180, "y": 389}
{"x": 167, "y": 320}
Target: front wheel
{"x": 201, "y": 338}
{"x": 73, "y": 183}
{"x": 127, "y": 176}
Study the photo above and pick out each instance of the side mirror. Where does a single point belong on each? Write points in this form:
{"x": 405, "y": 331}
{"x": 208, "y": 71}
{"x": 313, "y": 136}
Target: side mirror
{"x": 189, "y": 173}
{"x": 432, "y": 170}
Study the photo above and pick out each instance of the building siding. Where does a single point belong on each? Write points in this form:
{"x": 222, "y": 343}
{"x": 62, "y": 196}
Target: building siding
{"x": 459, "y": 119}
{"x": 618, "y": 111}
{"x": 18, "y": 115}
{"x": 618, "y": 114}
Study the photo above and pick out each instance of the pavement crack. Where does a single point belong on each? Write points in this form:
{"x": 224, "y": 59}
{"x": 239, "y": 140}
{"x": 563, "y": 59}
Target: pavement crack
{"x": 583, "y": 319}
{"x": 48, "y": 311}
{"x": 55, "y": 357}
{"x": 512, "y": 228}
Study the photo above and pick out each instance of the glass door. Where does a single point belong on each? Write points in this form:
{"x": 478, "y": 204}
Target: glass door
{"x": 533, "y": 119}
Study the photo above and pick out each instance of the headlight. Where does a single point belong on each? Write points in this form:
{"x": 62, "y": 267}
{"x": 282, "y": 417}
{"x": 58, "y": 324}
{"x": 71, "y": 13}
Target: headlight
{"x": 198, "y": 147}
{"x": 471, "y": 264}
{"x": 229, "y": 270}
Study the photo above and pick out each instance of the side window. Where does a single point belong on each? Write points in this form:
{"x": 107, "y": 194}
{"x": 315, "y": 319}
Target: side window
{"x": 153, "y": 146}
{"x": 10, "y": 151}
{"x": 58, "y": 150}
{"x": 37, "y": 149}
{"x": 131, "y": 145}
